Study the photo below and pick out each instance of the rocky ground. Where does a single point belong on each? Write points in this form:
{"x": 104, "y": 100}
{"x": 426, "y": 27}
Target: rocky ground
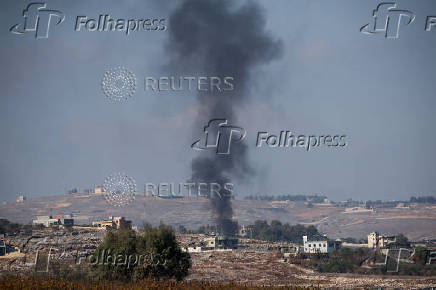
{"x": 265, "y": 268}
{"x": 66, "y": 246}
{"x": 254, "y": 263}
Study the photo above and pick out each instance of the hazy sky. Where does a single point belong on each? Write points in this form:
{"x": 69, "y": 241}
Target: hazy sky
{"x": 59, "y": 131}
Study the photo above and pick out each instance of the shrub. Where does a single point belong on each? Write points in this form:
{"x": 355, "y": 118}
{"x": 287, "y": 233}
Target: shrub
{"x": 128, "y": 256}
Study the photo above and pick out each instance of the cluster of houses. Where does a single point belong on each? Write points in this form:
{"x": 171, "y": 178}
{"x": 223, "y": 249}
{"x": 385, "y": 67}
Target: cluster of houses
{"x": 214, "y": 243}
{"x": 113, "y": 223}
{"x": 323, "y": 245}
{"x": 48, "y": 221}
{"x": 68, "y": 221}
{"x": 311, "y": 245}
{"x": 320, "y": 244}
{"x": 96, "y": 190}
{"x": 375, "y": 240}
{"x": 5, "y": 248}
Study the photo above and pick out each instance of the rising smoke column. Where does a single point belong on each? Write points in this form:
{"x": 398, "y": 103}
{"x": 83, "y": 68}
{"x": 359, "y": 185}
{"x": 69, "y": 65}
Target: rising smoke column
{"x": 213, "y": 38}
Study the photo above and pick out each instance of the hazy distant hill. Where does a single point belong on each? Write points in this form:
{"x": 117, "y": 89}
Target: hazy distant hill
{"x": 416, "y": 223}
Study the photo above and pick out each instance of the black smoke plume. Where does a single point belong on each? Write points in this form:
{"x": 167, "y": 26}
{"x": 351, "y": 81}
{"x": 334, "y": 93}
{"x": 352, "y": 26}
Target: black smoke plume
{"x": 215, "y": 39}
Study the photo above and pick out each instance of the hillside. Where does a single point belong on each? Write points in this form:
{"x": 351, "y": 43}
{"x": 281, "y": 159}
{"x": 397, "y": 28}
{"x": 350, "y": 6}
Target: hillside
{"x": 416, "y": 223}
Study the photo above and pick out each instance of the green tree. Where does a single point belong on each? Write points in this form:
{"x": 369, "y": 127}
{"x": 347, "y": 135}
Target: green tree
{"x": 181, "y": 229}
{"x": 401, "y": 240}
{"x": 420, "y": 256}
{"x": 129, "y": 256}
{"x": 8, "y": 227}
{"x": 282, "y": 232}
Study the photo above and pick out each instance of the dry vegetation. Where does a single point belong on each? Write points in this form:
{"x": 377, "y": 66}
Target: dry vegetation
{"x": 262, "y": 268}
{"x": 31, "y": 284}
{"x": 256, "y": 264}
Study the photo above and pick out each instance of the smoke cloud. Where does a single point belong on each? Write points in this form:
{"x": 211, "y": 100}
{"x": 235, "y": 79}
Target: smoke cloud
{"x": 216, "y": 39}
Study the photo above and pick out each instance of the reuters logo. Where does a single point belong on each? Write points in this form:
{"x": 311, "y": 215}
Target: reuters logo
{"x": 119, "y": 189}
{"x": 119, "y": 84}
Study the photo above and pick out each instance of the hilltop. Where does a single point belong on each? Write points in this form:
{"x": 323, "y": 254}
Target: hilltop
{"x": 418, "y": 222}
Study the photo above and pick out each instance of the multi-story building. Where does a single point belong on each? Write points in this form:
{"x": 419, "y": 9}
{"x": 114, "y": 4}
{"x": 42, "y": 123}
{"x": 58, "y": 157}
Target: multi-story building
{"x": 375, "y": 240}
{"x": 220, "y": 243}
{"x": 48, "y": 221}
{"x": 113, "y": 223}
{"x": 106, "y": 224}
{"x": 21, "y": 198}
{"x": 319, "y": 244}
{"x": 246, "y": 231}
{"x": 99, "y": 190}
{"x": 122, "y": 222}
{"x": 66, "y": 220}
{"x": 2, "y": 245}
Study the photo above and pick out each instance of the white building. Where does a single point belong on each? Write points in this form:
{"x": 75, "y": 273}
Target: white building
{"x": 48, "y": 221}
{"x": 319, "y": 245}
{"x": 375, "y": 240}
{"x": 245, "y": 231}
{"x": 113, "y": 223}
{"x": 99, "y": 190}
{"x": 21, "y": 198}
{"x": 220, "y": 242}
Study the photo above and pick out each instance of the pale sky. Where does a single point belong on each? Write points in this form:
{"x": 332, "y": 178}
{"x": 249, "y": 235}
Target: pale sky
{"x": 59, "y": 131}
